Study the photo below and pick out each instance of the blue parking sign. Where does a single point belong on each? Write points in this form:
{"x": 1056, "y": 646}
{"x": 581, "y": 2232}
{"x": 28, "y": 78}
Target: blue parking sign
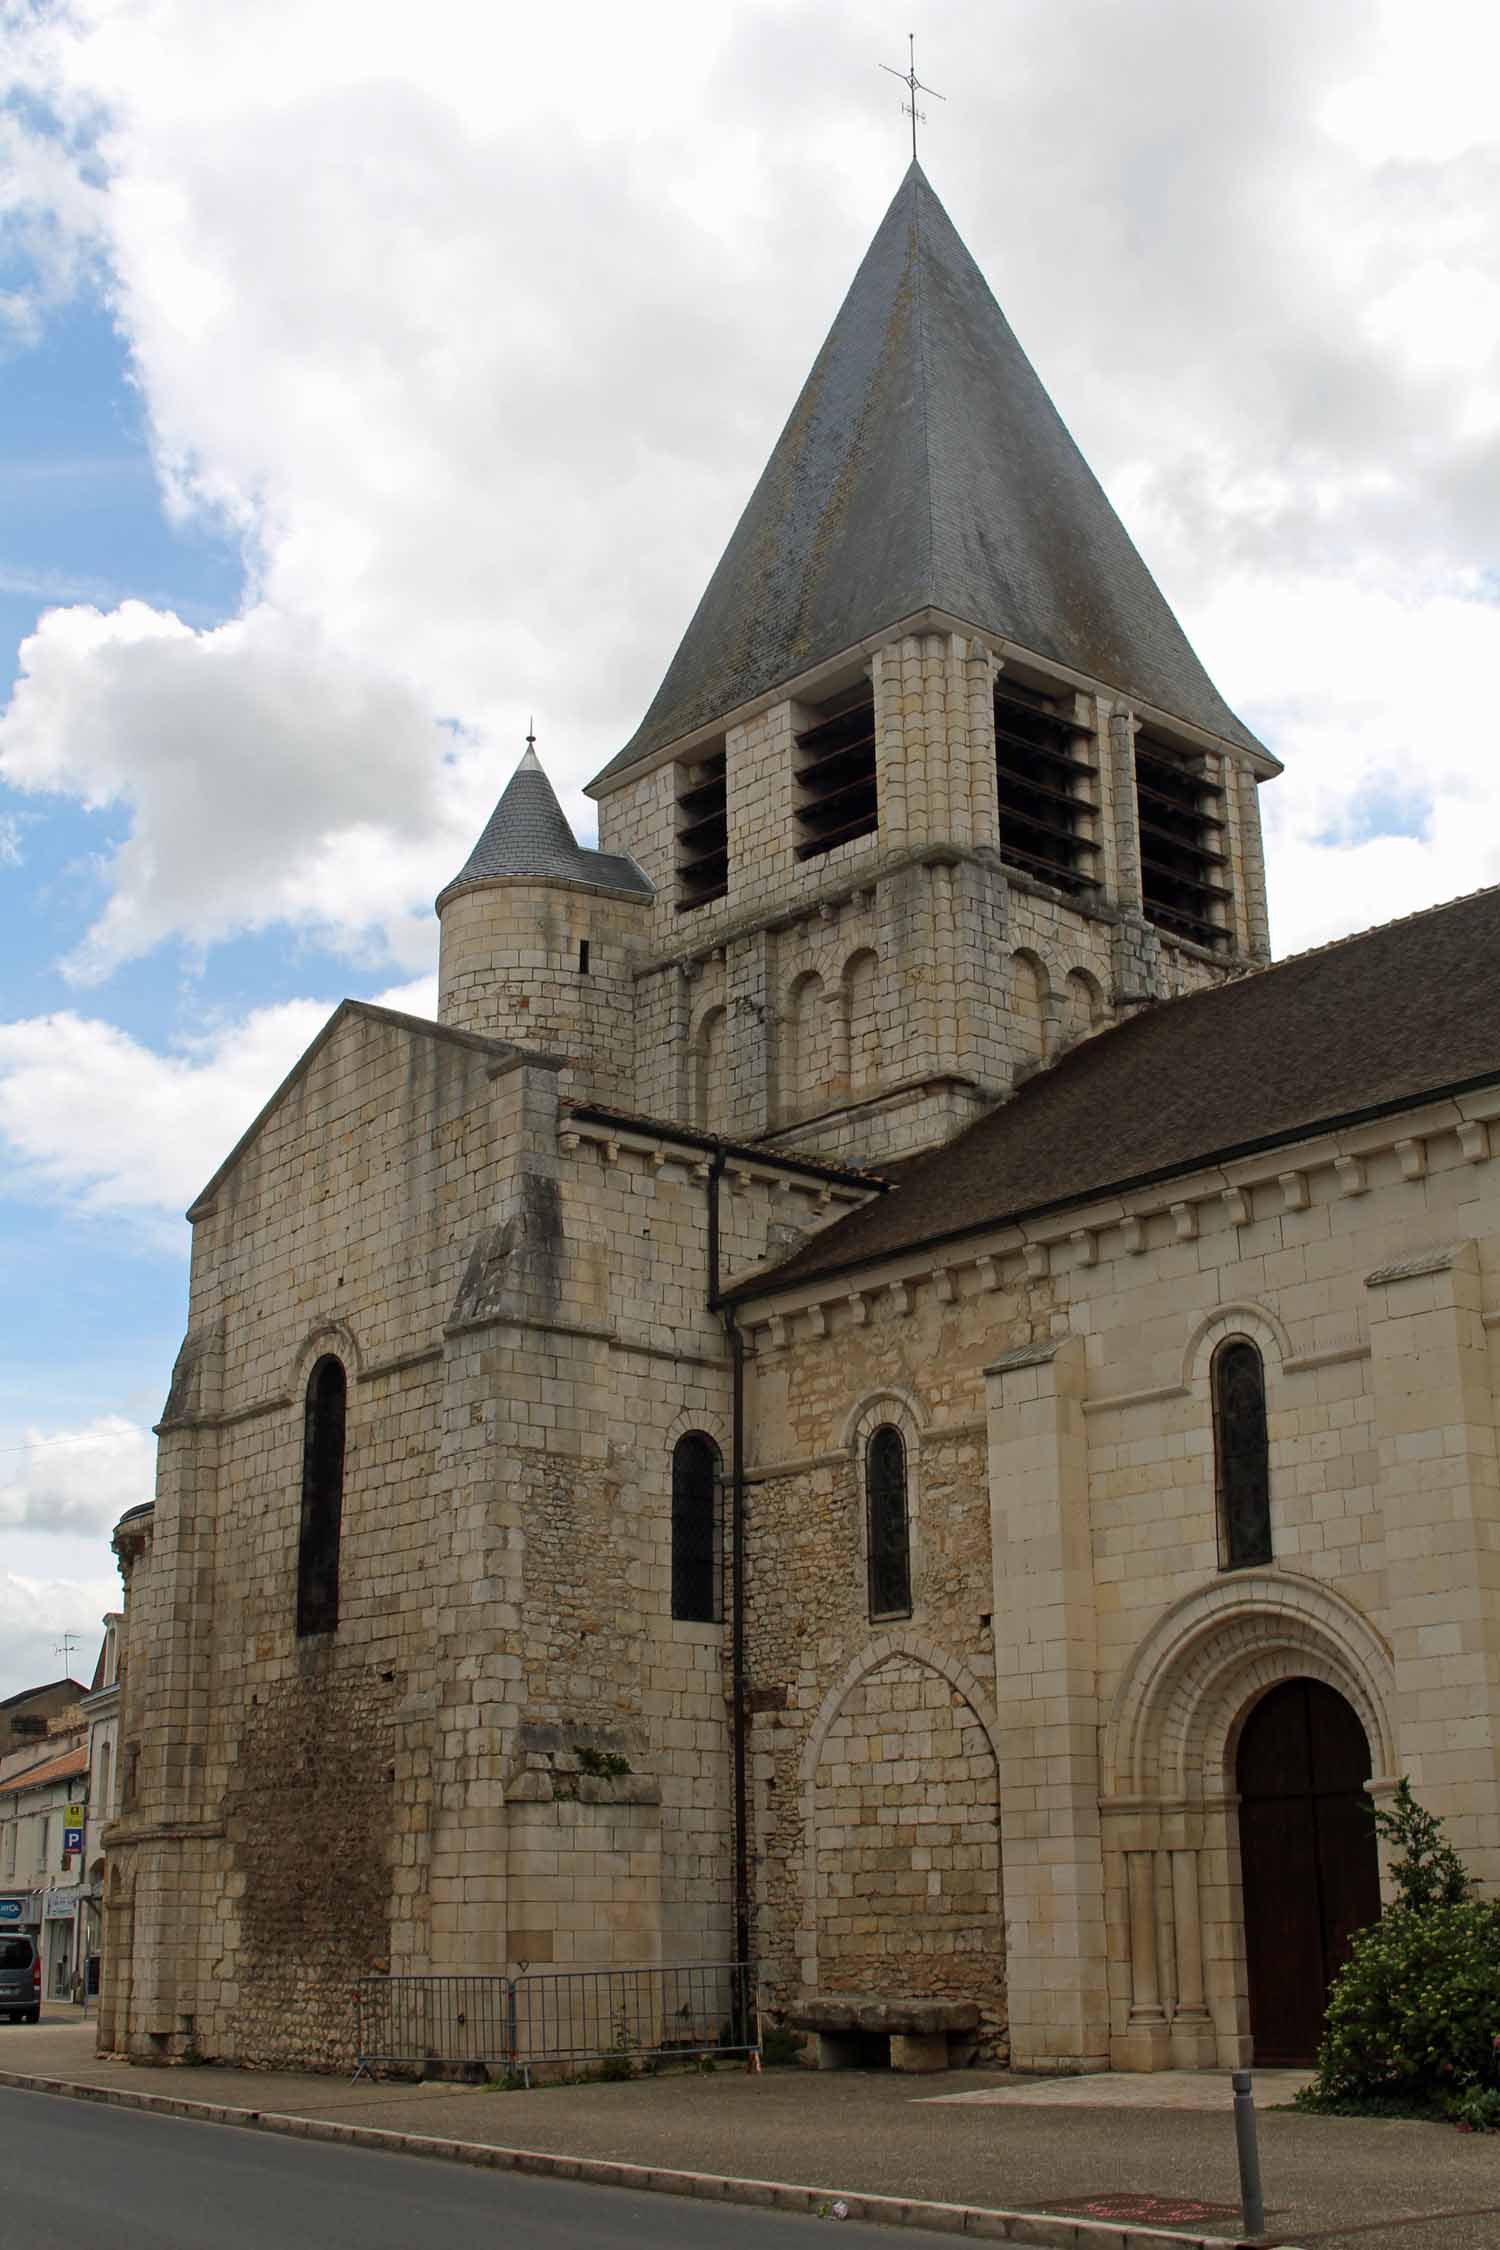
{"x": 72, "y": 1839}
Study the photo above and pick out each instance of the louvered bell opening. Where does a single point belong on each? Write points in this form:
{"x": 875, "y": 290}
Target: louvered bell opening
{"x": 702, "y": 832}
{"x": 836, "y": 780}
{"x": 1183, "y": 861}
{"x": 1047, "y": 784}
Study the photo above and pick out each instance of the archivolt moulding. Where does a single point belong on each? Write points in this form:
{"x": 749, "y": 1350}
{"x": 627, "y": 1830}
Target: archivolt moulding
{"x": 1262, "y": 1327}
{"x": 1176, "y": 1714}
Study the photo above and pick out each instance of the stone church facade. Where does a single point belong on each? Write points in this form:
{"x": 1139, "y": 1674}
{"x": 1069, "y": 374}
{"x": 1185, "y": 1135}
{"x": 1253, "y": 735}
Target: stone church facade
{"x": 879, "y": 1393}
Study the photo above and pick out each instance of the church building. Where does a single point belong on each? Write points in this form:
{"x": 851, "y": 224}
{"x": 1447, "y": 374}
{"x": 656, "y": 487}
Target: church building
{"x": 882, "y": 1393}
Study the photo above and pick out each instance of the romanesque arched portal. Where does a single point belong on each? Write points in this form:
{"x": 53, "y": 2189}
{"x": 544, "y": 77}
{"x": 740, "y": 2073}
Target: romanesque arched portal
{"x": 1174, "y": 1884}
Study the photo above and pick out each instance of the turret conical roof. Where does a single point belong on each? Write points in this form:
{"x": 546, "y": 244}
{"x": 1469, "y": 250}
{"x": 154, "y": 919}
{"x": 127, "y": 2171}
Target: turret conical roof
{"x": 528, "y": 834}
{"x": 924, "y": 466}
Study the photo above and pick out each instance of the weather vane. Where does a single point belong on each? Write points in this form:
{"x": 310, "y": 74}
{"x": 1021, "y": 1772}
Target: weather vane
{"x": 914, "y": 86}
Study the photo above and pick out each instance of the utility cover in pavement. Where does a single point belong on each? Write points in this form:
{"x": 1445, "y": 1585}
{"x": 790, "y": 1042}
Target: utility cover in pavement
{"x": 1166, "y": 2210}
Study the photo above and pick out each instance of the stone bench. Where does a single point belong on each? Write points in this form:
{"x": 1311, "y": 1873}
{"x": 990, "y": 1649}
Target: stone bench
{"x": 919, "y": 2031}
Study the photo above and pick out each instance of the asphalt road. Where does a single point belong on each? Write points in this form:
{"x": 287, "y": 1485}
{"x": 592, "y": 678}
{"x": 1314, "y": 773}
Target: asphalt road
{"x": 79, "y": 2176}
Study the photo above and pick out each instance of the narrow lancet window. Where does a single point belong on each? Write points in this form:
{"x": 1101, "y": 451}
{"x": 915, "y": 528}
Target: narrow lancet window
{"x": 1241, "y": 1455}
{"x": 887, "y": 1524}
{"x": 695, "y": 1528}
{"x": 322, "y": 1499}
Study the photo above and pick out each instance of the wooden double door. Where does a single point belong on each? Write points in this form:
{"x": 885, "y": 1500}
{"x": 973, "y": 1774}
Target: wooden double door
{"x": 1308, "y": 1858}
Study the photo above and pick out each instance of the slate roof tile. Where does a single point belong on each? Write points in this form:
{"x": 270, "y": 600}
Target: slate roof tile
{"x": 528, "y": 834}
{"x": 924, "y": 466}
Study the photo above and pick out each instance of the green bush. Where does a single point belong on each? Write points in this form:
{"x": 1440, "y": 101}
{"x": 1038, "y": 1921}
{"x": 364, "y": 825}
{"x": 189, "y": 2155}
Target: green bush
{"x": 1477, "y": 2111}
{"x": 1414, "y": 2012}
{"x": 1426, "y": 1870}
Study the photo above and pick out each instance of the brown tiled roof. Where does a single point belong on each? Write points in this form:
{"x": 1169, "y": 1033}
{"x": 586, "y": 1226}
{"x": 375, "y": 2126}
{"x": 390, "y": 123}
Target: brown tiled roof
{"x": 25, "y": 1694}
{"x": 53, "y": 1769}
{"x": 1369, "y": 1024}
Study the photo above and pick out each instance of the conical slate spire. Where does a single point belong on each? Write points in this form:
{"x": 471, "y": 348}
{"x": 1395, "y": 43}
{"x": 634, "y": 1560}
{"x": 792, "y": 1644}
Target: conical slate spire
{"x": 528, "y": 834}
{"x": 924, "y": 466}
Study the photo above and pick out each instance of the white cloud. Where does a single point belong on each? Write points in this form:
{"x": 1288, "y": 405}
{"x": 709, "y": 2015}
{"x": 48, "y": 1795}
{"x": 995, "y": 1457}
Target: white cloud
{"x": 114, "y": 1128}
{"x": 52, "y": 220}
{"x": 37, "y": 1608}
{"x": 75, "y": 1481}
{"x": 483, "y": 383}
{"x": 264, "y": 773}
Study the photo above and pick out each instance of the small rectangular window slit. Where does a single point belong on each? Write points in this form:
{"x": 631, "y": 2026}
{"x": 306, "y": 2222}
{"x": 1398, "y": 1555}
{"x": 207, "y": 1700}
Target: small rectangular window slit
{"x": 583, "y": 956}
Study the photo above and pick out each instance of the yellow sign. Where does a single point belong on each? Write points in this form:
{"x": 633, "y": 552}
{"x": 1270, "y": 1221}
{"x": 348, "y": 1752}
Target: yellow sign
{"x": 73, "y": 1817}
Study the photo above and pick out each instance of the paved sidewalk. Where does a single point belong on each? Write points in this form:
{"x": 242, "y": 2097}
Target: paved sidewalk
{"x": 1335, "y": 2181}
{"x": 1133, "y": 2089}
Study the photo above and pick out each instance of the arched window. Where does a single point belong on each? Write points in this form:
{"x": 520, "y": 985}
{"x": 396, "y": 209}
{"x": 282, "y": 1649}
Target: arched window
{"x": 887, "y": 1525}
{"x": 695, "y": 1527}
{"x": 322, "y": 1498}
{"x": 1241, "y": 1454}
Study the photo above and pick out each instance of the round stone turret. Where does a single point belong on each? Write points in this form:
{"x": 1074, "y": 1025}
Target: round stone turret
{"x": 537, "y": 932}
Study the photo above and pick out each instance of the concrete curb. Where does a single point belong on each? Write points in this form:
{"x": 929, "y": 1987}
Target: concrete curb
{"x": 1035, "y": 2230}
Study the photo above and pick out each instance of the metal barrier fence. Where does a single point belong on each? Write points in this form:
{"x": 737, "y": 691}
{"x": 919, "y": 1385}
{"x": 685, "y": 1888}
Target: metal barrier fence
{"x": 692, "y": 2009}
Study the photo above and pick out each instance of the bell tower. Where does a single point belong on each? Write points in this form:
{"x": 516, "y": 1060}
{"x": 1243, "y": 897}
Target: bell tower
{"x": 935, "y": 784}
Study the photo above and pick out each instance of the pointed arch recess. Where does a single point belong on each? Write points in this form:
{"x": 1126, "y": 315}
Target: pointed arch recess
{"x": 870, "y": 1658}
{"x": 1174, "y": 1724}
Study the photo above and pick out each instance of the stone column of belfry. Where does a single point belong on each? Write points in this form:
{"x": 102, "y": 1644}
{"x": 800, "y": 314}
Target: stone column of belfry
{"x": 1252, "y": 858}
{"x": 1117, "y": 755}
{"x": 977, "y": 670}
{"x": 1138, "y": 964}
{"x": 1220, "y": 771}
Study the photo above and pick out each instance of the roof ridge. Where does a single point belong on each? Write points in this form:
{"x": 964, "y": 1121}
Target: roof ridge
{"x": 1261, "y": 969}
{"x": 918, "y": 180}
{"x": 1373, "y": 929}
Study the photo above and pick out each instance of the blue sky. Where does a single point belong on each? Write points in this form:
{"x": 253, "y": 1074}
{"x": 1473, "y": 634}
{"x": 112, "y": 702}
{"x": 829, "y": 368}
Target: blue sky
{"x": 355, "y": 408}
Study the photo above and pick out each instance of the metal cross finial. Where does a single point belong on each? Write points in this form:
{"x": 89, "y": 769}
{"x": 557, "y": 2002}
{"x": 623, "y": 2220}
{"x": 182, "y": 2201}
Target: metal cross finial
{"x": 914, "y": 86}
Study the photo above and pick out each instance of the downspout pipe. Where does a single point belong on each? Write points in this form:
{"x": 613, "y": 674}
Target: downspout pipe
{"x": 739, "y": 1714}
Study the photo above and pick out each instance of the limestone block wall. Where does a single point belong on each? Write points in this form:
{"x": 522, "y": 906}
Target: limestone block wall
{"x": 906, "y": 1846}
{"x": 873, "y": 1742}
{"x": 1363, "y": 1265}
{"x": 548, "y": 965}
